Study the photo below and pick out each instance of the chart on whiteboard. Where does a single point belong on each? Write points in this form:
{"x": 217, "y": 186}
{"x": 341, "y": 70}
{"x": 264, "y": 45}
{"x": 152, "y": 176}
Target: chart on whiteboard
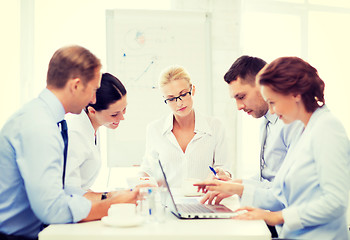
{"x": 140, "y": 55}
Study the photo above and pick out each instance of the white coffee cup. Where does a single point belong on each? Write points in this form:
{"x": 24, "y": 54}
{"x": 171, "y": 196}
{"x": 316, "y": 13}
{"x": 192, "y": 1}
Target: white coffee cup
{"x": 187, "y": 188}
{"x": 122, "y": 211}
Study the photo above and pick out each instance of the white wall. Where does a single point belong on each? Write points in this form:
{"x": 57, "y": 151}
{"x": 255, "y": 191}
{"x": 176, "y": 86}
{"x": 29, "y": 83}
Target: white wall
{"x": 238, "y": 27}
{"x": 10, "y": 58}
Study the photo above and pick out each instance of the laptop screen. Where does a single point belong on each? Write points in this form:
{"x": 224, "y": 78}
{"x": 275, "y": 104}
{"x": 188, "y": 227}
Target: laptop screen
{"x": 172, "y": 201}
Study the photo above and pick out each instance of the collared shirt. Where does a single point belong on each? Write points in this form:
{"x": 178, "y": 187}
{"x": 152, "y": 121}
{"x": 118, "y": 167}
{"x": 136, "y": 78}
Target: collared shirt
{"x": 31, "y": 163}
{"x": 279, "y": 138}
{"x": 84, "y": 159}
{"x": 207, "y": 148}
{"x": 312, "y": 186}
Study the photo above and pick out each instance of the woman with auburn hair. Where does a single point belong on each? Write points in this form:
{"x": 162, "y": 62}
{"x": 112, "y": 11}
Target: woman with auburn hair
{"x": 185, "y": 141}
{"x": 310, "y": 193}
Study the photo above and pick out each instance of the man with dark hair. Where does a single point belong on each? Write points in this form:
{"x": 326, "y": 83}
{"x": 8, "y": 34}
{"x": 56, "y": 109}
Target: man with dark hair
{"x": 241, "y": 80}
{"x": 33, "y": 147}
{"x": 275, "y": 136}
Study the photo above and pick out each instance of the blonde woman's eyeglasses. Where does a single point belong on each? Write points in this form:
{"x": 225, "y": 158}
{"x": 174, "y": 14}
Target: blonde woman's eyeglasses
{"x": 181, "y": 97}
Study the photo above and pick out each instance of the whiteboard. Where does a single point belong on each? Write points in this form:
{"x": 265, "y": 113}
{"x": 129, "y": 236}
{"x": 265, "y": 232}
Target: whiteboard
{"x": 140, "y": 44}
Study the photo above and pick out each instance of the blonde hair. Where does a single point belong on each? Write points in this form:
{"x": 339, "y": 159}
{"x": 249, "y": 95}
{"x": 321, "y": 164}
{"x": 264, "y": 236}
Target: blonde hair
{"x": 173, "y": 73}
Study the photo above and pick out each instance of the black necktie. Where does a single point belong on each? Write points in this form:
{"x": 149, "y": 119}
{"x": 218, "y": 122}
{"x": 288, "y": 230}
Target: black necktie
{"x": 263, "y": 142}
{"x": 64, "y": 133}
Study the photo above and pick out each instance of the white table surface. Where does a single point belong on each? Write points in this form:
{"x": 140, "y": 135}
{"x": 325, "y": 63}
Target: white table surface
{"x": 172, "y": 228}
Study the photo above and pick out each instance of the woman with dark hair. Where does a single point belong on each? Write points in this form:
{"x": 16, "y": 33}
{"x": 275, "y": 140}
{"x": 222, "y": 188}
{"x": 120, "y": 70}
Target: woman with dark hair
{"x": 83, "y": 161}
{"x": 310, "y": 193}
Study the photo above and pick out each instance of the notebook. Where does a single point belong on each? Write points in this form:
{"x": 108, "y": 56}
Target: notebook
{"x": 195, "y": 210}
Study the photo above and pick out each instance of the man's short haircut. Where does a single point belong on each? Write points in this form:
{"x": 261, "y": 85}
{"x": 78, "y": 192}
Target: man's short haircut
{"x": 71, "y": 62}
{"x": 246, "y": 68}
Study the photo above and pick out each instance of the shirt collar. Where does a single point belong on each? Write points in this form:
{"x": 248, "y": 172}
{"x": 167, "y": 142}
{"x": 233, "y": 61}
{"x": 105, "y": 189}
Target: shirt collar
{"x": 201, "y": 125}
{"x": 168, "y": 124}
{"x": 53, "y": 104}
{"x": 315, "y": 115}
{"x": 87, "y": 124}
{"x": 272, "y": 118}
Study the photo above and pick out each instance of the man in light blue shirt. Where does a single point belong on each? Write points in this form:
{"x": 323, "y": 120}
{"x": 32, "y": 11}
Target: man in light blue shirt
{"x": 31, "y": 152}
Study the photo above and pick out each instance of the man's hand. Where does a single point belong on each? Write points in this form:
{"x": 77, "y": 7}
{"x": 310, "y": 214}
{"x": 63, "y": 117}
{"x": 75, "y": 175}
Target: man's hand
{"x": 124, "y": 196}
{"x": 226, "y": 187}
{"x": 237, "y": 181}
{"x": 99, "y": 208}
{"x": 214, "y": 196}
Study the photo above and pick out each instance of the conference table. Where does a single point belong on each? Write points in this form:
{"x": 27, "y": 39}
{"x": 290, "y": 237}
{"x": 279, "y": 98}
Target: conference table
{"x": 170, "y": 229}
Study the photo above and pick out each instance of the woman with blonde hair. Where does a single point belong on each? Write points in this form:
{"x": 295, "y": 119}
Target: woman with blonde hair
{"x": 185, "y": 141}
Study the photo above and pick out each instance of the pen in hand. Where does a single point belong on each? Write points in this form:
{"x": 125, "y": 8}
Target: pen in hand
{"x": 213, "y": 170}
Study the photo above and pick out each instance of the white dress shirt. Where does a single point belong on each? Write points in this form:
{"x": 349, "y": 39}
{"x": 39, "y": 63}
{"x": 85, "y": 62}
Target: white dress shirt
{"x": 312, "y": 186}
{"x": 31, "y": 163}
{"x": 207, "y": 148}
{"x": 279, "y": 138}
{"x": 83, "y": 159}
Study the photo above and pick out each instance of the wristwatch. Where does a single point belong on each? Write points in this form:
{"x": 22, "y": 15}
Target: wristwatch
{"x": 104, "y": 195}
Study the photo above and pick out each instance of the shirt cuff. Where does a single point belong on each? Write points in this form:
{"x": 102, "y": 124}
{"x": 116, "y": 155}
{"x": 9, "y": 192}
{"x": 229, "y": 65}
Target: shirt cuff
{"x": 247, "y": 195}
{"x": 292, "y": 219}
{"x": 79, "y": 206}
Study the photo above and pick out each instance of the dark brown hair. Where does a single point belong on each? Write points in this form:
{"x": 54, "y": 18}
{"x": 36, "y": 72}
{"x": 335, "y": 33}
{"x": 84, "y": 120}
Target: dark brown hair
{"x": 245, "y": 67}
{"x": 71, "y": 62}
{"x": 110, "y": 91}
{"x": 292, "y": 75}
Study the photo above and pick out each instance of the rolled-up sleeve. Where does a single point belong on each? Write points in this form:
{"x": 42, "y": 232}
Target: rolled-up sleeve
{"x": 266, "y": 199}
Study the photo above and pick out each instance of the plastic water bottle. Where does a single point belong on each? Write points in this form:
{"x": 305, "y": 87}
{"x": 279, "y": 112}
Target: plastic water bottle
{"x": 152, "y": 211}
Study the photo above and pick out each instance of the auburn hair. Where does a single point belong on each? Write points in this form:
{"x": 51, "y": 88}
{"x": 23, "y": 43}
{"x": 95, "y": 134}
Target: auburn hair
{"x": 293, "y": 75}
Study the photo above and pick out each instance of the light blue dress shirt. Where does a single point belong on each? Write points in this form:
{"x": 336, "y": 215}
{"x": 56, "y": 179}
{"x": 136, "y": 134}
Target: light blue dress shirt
{"x": 279, "y": 138}
{"x": 312, "y": 186}
{"x": 31, "y": 163}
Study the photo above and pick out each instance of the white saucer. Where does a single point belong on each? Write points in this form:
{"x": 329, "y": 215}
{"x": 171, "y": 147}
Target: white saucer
{"x": 122, "y": 222}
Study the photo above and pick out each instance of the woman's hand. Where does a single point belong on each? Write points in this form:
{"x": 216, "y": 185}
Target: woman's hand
{"x": 226, "y": 187}
{"x": 271, "y": 218}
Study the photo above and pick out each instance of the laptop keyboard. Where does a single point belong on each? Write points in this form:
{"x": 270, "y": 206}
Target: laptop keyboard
{"x": 193, "y": 208}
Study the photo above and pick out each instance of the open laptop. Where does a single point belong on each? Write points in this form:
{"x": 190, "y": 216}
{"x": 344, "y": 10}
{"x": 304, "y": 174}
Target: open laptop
{"x": 195, "y": 210}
